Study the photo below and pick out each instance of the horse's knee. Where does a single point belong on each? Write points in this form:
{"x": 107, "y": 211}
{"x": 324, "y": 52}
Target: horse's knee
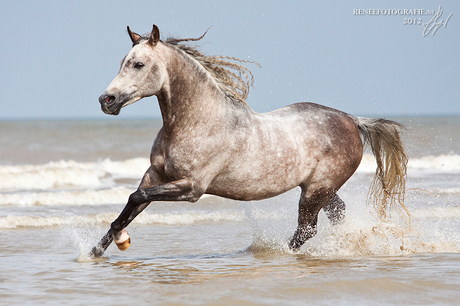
{"x": 116, "y": 226}
{"x": 335, "y": 210}
{"x": 137, "y": 198}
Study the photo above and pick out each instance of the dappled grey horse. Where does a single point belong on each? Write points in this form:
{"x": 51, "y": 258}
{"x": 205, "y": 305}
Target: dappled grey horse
{"x": 212, "y": 142}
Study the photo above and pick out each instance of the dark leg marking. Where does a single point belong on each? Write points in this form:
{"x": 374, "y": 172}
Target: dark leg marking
{"x": 335, "y": 210}
{"x": 309, "y": 207}
{"x": 303, "y": 233}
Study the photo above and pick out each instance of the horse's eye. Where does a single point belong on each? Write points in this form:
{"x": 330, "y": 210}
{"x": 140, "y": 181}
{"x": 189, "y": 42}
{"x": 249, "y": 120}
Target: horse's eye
{"x": 138, "y": 65}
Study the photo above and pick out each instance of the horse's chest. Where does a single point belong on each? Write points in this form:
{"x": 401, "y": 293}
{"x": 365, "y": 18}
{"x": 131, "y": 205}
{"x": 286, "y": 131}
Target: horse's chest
{"x": 175, "y": 162}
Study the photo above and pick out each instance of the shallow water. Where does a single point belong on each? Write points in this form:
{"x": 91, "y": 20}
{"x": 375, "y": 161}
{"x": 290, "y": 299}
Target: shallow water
{"x": 169, "y": 275}
{"x": 58, "y": 196}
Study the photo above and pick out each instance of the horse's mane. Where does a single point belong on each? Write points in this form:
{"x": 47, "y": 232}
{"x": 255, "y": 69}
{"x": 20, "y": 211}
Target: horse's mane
{"x": 233, "y": 79}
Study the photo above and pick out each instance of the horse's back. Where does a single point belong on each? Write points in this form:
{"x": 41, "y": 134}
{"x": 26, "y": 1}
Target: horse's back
{"x": 308, "y": 111}
{"x": 314, "y": 122}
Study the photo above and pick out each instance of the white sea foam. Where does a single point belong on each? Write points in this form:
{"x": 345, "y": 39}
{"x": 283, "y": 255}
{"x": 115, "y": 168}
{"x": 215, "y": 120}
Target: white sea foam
{"x": 70, "y": 174}
{"x": 357, "y": 239}
{"x": 428, "y": 164}
{"x": 447, "y": 191}
{"x": 63, "y": 174}
{"x": 436, "y": 213}
{"x": 360, "y": 236}
{"x": 10, "y": 221}
{"x": 117, "y": 195}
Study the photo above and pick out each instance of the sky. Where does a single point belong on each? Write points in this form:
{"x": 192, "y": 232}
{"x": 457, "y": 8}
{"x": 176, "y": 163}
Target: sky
{"x": 362, "y": 57}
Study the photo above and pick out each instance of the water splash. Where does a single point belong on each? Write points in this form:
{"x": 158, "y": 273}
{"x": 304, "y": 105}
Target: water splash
{"x": 362, "y": 234}
{"x": 83, "y": 238}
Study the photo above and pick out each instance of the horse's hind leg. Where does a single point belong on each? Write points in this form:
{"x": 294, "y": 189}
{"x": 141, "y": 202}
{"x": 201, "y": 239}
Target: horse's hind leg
{"x": 309, "y": 206}
{"x": 335, "y": 210}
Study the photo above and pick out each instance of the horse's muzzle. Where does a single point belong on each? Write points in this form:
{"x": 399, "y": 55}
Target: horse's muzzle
{"x": 109, "y": 104}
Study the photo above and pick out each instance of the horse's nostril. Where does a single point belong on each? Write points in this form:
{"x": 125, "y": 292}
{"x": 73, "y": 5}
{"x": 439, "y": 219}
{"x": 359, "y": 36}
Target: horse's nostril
{"x": 107, "y": 99}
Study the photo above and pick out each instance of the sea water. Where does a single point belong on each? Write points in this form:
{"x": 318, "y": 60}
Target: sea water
{"x": 63, "y": 182}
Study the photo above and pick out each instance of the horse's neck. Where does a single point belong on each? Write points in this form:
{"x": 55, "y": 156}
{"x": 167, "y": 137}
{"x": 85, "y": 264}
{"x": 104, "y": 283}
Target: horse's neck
{"x": 190, "y": 96}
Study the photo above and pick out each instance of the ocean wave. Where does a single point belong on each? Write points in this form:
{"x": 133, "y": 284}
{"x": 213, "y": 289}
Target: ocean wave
{"x": 441, "y": 163}
{"x": 117, "y": 195}
{"x": 70, "y": 174}
{"x": 12, "y": 222}
{"x": 447, "y": 191}
{"x": 426, "y": 164}
{"x": 436, "y": 213}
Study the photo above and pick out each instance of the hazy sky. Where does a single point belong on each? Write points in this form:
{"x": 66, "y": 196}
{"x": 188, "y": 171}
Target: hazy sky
{"x": 57, "y": 57}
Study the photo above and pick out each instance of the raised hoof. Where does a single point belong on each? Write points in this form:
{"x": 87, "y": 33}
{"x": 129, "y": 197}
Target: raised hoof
{"x": 123, "y": 246}
{"x": 122, "y": 240}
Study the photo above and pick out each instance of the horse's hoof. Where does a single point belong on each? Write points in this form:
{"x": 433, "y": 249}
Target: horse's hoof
{"x": 294, "y": 245}
{"x": 123, "y": 246}
{"x": 96, "y": 253}
{"x": 122, "y": 240}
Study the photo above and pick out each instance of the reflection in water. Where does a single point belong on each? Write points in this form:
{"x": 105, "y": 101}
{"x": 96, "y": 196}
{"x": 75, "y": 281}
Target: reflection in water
{"x": 244, "y": 264}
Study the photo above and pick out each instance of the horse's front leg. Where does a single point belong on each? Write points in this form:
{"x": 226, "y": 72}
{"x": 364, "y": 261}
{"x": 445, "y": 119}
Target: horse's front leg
{"x": 181, "y": 190}
{"x": 174, "y": 191}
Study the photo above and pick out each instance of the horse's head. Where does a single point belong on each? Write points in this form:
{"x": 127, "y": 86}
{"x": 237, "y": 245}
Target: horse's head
{"x": 141, "y": 74}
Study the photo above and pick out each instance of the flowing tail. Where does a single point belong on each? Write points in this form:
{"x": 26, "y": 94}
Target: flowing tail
{"x": 388, "y": 186}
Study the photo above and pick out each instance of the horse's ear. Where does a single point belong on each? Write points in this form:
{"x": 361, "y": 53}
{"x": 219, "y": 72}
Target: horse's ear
{"x": 134, "y": 36}
{"x": 154, "y": 36}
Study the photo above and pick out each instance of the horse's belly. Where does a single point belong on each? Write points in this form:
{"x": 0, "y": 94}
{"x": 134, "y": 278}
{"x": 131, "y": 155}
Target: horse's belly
{"x": 246, "y": 191}
{"x": 258, "y": 180}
